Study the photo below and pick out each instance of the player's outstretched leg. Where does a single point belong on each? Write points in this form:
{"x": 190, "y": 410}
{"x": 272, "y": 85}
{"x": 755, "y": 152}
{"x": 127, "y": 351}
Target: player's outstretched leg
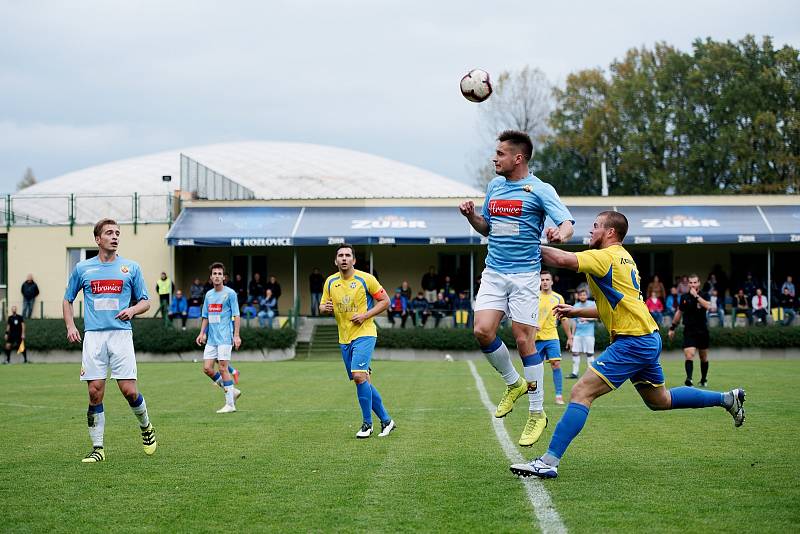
{"x": 688, "y": 397}
{"x": 533, "y": 366}
{"x": 497, "y": 354}
{"x": 364, "y": 393}
{"x": 387, "y": 423}
{"x": 96, "y": 420}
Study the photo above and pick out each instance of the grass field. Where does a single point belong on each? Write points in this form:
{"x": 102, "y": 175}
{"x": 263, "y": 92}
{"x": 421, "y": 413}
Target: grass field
{"x": 288, "y": 460}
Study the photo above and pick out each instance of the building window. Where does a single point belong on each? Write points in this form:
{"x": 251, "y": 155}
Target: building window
{"x": 76, "y": 255}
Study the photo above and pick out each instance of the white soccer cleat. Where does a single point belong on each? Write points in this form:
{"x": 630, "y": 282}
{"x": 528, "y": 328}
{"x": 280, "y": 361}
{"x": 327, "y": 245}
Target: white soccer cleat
{"x": 737, "y": 408}
{"x": 365, "y": 432}
{"x": 386, "y": 428}
{"x": 228, "y": 408}
{"x": 559, "y": 399}
{"x": 536, "y": 468}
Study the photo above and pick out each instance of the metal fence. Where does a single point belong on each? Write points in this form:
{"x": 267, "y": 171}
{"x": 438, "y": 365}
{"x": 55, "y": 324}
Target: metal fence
{"x": 72, "y": 209}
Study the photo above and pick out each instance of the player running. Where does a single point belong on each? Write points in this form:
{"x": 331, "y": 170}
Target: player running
{"x": 355, "y": 297}
{"x": 513, "y": 216}
{"x": 693, "y": 308}
{"x": 583, "y": 334}
{"x": 108, "y": 282}
{"x": 636, "y": 343}
{"x": 547, "y": 342}
{"x": 220, "y": 328}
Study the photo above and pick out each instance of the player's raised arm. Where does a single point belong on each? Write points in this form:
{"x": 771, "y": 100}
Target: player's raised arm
{"x": 477, "y": 221}
{"x": 559, "y": 258}
{"x": 561, "y": 234}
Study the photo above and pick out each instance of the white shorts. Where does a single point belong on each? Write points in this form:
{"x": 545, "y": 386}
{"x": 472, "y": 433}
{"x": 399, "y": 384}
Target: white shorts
{"x": 583, "y": 344}
{"x": 218, "y": 352}
{"x": 516, "y": 295}
{"x": 104, "y": 348}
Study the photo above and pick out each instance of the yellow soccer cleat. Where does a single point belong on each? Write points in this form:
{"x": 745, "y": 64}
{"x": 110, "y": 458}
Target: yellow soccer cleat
{"x": 97, "y": 455}
{"x": 149, "y": 440}
{"x": 513, "y": 392}
{"x": 537, "y": 422}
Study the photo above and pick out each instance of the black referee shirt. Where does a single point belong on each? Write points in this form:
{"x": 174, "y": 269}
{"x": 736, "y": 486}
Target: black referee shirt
{"x": 694, "y": 315}
{"x": 15, "y": 326}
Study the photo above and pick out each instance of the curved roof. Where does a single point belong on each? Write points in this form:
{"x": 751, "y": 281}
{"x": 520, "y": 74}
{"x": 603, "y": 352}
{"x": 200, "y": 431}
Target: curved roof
{"x": 272, "y": 170}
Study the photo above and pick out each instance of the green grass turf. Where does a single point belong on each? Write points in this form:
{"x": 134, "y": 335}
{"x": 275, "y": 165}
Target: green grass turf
{"x": 288, "y": 460}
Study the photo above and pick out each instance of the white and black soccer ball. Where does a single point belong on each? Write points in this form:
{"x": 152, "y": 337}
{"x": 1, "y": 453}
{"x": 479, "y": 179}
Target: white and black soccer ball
{"x": 476, "y": 85}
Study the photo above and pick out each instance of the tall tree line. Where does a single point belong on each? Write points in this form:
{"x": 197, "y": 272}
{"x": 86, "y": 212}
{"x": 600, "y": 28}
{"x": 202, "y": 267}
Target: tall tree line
{"x": 723, "y": 118}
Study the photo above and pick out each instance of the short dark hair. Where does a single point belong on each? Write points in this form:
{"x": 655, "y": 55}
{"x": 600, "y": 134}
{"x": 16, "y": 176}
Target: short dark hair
{"x": 520, "y": 140}
{"x": 545, "y": 272}
{"x": 694, "y": 275}
{"x": 617, "y": 221}
{"x": 346, "y": 245}
{"x": 216, "y": 265}
{"x": 98, "y": 228}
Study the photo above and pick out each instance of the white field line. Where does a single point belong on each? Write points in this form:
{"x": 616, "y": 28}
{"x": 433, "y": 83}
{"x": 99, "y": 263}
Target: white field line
{"x": 546, "y": 513}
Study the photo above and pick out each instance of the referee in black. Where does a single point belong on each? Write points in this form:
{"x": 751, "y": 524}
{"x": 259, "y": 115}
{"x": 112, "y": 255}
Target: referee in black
{"x": 14, "y": 335}
{"x": 693, "y": 307}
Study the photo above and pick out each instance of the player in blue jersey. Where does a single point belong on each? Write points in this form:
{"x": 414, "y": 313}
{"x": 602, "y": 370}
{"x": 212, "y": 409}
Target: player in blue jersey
{"x": 219, "y": 331}
{"x": 635, "y": 342}
{"x": 513, "y": 218}
{"x": 108, "y": 282}
{"x": 583, "y": 336}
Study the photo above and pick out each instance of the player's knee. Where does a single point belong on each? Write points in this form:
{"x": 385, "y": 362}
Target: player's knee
{"x": 483, "y": 334}
{"x": 359, "y": 378}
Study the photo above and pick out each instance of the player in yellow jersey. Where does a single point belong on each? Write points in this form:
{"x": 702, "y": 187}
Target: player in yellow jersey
{"x": 635, "y": 342}
{"x": 355, "y": 297}
{"x": 547, "y": 342}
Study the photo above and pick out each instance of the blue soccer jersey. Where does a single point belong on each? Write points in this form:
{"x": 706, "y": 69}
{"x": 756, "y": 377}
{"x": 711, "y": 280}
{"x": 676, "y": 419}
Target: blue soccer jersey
{"x": 220, "y": 307}
{"x": 107, "y": 290}
{"x": 515, "y": 212}
{"x": 585, "y": 328}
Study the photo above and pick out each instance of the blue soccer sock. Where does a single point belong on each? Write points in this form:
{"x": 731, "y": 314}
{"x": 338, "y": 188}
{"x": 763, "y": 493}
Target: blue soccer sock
{"x": 686, "y": 397}
{"x": 567, "y": 429}
{"x": 377, "y": 406}
{"x": 231, "y": 370}
{"x": 558, "y": 380}
{"x": 364, "y": 392}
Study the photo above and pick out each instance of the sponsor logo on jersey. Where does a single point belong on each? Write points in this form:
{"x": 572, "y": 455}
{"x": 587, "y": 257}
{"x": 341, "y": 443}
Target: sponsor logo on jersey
{"x": 106, "y": 286}
{"x": 505, "y": 208}
{"x": 528, "y": 188}
{"x": 124, "y": 269}
{"x": 215, "y": 308}
{"x": 353, "y": 285}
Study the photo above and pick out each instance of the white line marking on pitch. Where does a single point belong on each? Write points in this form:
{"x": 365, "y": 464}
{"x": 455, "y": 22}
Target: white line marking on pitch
{"x": 543, "y": 507}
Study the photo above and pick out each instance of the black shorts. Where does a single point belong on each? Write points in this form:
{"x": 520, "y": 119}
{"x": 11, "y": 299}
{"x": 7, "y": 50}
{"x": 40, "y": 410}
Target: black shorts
{"x": 15, "y": 342}
{"x": 695, "y": 337}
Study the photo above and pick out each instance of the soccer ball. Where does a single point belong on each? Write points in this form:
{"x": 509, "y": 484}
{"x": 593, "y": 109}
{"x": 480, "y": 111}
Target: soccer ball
{"x": 476, "y": 85}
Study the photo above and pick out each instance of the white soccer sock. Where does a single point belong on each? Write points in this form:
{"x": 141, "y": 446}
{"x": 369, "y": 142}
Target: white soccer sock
{"x": 501, "y": 361}
{"x": 534, "y": 374}
{"x": 141, "y": 413}
{"x": 97, "y": 427}
{"x": 576, "y": 364}
{"x": 589, "y": 359}
{"x": 228, "y": 388}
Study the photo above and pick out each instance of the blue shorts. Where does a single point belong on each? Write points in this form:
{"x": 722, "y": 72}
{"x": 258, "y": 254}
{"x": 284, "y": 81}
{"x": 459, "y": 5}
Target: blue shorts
{"x": 549, "y": 349}
{"x": 357, "y": 355}
{"x": 631, "y": 357}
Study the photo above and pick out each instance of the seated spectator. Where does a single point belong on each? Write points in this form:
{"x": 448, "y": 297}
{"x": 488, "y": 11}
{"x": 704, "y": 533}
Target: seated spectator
{"x": 266, "y": 312}
{"x": 448, "y": 290}
{"x": 717, "y": 306}
{"x": 788, "y": 303}
{"x": 789, "y": 284}
{"x": 657, "y": 287}
{"x": 179, "y": 307}
{"x": 255, "y": 288}
{"x": 273, "y": 285}
{"x": 250, "y": 309}
{"x": 398, "y": 307}
{"x": 760, "y": 307}
{"x": 656, "y": 307}
{"x": 405, "y": 290}
{"x": 749, "y": 286}
{"x": 741, "y": 305}
{"x": 673, "y": 300}
{"x": 420, "y": 309}
{"x": 196, "y": 293}
{"x": 441, "y": 308}
{"x": 461, "y": 309}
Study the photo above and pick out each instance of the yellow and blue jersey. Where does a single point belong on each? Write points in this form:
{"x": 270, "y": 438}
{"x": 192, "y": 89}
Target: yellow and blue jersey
{"x": 614, "y": 281}
{"x": 547, "y": 321}
{"x": 351, "y": 296}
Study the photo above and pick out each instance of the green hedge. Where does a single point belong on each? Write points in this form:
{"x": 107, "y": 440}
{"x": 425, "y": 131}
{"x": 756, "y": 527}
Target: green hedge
{"x": 771, "y": 337}
{"x": 150, "y": 335}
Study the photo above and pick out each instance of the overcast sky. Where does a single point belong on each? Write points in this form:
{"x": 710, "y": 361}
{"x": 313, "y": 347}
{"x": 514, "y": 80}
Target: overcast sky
{"x": 87, "y": 82}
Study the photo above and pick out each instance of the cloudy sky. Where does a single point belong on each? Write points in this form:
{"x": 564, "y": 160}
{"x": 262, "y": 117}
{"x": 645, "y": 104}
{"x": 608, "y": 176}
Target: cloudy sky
{"x": 87, "y": 82}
